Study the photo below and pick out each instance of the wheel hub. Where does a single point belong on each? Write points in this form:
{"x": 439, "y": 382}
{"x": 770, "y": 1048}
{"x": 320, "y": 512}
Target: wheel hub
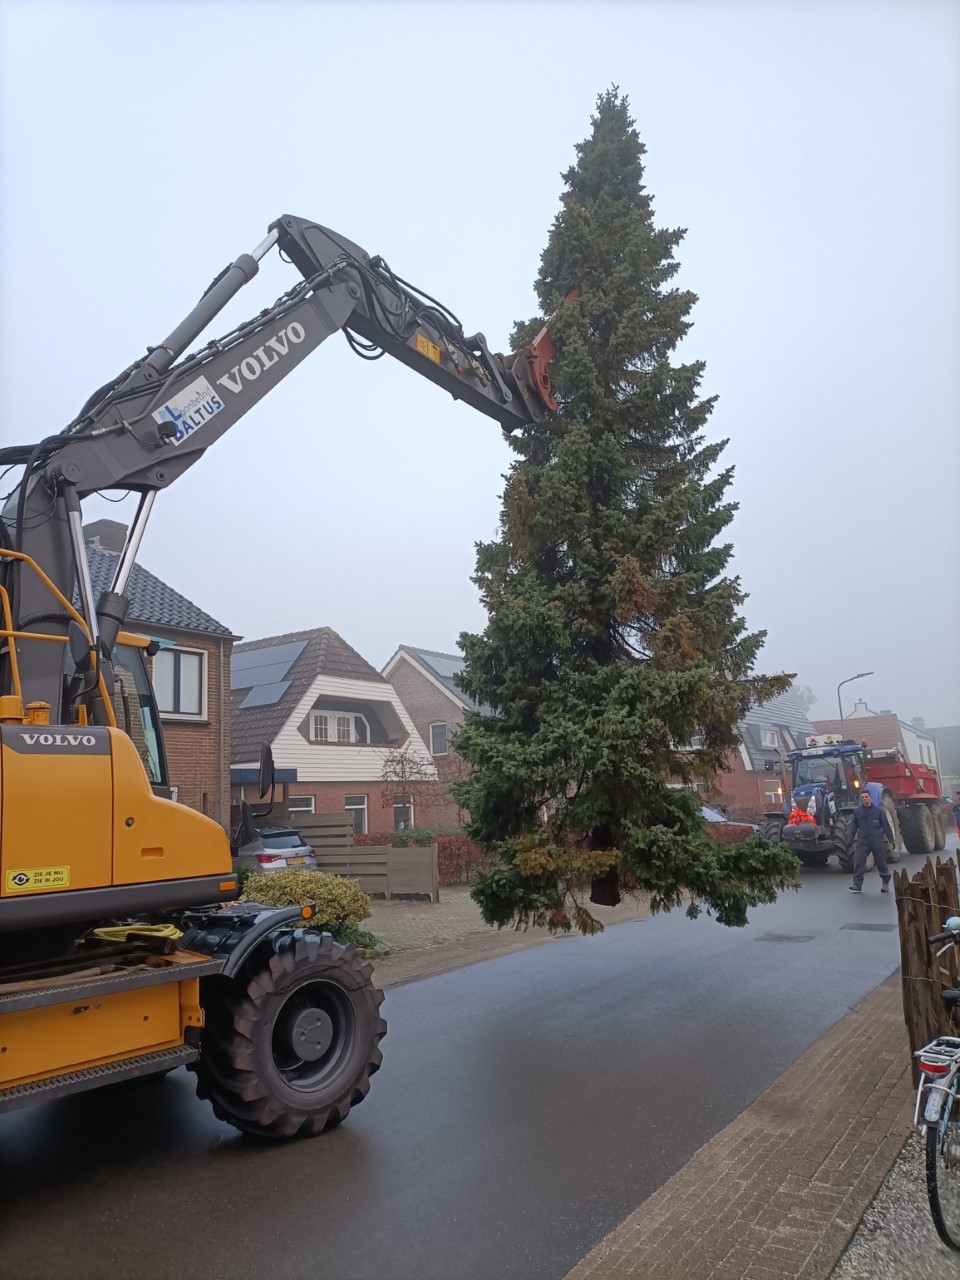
{"x": 311, "y": 1034}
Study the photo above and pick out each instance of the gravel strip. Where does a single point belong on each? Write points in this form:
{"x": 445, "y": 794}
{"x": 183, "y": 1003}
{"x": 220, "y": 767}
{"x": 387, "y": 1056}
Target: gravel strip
{"x": 896, "y": 1239}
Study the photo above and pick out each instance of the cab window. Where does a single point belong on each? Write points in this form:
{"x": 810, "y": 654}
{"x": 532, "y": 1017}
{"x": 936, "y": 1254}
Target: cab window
{"x": 135, "y": 709}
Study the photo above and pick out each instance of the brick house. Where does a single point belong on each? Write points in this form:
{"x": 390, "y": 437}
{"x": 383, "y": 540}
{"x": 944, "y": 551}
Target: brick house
{"x": 190, "y": 674}
{"x": 752, "y": 784}
{"x": 333, "y": 723}
{"x": 884, "y": 730}
{"x": 424, "y": 679}
{"x": 947, "y": 742}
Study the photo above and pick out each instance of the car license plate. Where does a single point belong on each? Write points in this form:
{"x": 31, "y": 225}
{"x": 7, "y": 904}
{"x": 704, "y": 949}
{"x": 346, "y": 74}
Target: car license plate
{"x": 295, "y": 862}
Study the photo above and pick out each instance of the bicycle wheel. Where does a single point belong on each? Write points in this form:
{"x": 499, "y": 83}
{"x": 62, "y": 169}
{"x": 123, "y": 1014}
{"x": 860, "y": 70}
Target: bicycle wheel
{"x": 943, "y": 1172}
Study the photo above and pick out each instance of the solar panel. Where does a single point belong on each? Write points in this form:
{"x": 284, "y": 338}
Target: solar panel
{"x": 268, "y": 655}
{"x": 259, "y": 675}
{"x": 262, "y": 671}
{"x": 265, "y": 695}
{"x": 446, "y": 667}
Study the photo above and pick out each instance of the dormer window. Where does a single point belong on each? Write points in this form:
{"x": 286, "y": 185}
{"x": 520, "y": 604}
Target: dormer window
{"x": 343, "y": 727}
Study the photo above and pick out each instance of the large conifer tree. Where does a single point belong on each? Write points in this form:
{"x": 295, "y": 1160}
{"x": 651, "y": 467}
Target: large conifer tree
{"x": 615, "y": 661}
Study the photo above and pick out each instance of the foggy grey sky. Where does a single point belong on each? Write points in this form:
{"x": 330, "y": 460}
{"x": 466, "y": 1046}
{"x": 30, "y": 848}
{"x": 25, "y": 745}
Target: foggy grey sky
{"x": 811, "y": 149}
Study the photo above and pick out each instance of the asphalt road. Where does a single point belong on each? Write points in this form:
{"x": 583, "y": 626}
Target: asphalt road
{"x": 526, "y": 1105}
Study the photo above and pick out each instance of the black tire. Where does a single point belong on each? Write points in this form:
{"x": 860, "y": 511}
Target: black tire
{"x": 844, "y": 837}
{"x": 943, "y": 1175}
{"x": 939, "y": 829}
{"x": 919, "y": 832}
{"x": 289, "y": 1046}
{"x": 892, "y": 851}
{"x": 772, "y": 829}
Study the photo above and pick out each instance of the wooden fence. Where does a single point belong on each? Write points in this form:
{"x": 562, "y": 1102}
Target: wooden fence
{"x": 381, "y": 871}
{"x": 325, "y": 832}
{"x": 924, "y": 903}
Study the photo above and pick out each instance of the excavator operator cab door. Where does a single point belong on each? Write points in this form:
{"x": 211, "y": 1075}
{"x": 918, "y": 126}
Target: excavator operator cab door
{"x": 135, "y": 706}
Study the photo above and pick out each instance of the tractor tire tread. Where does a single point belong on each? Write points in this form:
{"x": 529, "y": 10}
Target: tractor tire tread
{"x": 227, "y": 1071}
{"x": 772, "y": 829}
{"x": 919, "y": 830}
{"x": 940, "y": 830}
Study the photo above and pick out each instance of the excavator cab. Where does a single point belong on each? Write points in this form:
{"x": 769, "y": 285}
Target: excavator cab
{"x": 133, "y": 700}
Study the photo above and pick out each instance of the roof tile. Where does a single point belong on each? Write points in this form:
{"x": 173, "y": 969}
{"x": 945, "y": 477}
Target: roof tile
{"x": 151, "y": 601}
{"x": 324, "y": 653}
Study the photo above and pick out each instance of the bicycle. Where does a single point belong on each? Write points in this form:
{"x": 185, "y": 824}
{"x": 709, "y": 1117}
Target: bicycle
{"x": 940, "y": 1080}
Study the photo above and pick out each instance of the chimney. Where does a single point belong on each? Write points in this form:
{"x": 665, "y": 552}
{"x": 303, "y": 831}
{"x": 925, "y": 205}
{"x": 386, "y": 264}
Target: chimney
{"x": 112, "y": 534}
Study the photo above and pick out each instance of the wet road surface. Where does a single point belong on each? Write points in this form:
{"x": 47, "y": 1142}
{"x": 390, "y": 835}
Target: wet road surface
{"x": 526, "y": 1105}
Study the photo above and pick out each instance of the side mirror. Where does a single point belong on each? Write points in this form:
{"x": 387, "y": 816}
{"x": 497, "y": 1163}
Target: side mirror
{"x": 267, "y": 772}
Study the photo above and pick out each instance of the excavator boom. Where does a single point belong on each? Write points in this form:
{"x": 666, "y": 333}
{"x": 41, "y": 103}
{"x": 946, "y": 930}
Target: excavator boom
{"x": 141, "y": 431}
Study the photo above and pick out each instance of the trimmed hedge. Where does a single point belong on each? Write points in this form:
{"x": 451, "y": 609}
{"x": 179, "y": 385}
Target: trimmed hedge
{"x": 728, "y": 832}
{"x": 341, "y": 904}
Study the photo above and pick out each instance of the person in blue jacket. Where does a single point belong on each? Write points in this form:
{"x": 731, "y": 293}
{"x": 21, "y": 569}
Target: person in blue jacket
{"x": 870, "y": 825}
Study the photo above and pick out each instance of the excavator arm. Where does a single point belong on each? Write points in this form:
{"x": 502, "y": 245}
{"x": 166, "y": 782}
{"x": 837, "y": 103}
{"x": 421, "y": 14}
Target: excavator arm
{"x": 146, "y": 427}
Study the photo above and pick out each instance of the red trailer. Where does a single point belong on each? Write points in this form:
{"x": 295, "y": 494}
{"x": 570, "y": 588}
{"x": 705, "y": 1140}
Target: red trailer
{"x": 915, "y": 789}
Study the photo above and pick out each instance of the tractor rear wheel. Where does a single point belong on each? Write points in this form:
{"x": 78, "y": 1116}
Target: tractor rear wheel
{"x": 940, "y": 829}
{"x": 290, "y": 1044}
{"x": 919, "y": 832}
{"x": 892, "y": 850}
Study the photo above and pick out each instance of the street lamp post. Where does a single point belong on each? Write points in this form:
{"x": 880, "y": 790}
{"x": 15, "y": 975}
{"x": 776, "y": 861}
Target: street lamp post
{"x": 859, "y": 676}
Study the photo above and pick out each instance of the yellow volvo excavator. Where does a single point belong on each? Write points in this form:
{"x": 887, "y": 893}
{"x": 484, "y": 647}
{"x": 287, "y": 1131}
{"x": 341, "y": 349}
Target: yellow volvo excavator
{"x": 123, "y": 950}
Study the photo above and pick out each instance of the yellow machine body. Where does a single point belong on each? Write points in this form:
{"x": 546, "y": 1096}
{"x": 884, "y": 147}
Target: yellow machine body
{"x": 93, "y": 1029}
{"x": 78, "y": 817}
{"x": 77, "y": 812}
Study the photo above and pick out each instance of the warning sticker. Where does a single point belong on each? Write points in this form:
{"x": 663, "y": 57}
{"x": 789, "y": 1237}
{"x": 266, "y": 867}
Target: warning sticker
{"x": 428, "y": 348}
{"x": 29, "y": 879}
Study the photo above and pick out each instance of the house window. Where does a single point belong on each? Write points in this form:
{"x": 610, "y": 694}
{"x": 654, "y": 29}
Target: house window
{"x": 772, "y": 794}
{"x": 338, "y": 726}
{"x": 180, "y": 682}
{"x": 403, "y": 813}
{"x": 357, "y": 805}
{"x": 300, "y": 804}
{"x": 438, "y": 739}
{"x": 769, "y": 738}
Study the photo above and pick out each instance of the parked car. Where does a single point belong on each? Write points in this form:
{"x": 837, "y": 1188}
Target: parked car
{"x": 275, "y": 848}
{"x": 714, "y": 815}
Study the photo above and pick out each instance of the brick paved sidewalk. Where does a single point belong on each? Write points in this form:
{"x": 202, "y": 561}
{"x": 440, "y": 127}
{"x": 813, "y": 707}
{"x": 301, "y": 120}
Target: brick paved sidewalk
{"x": 779, "y": 1192}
